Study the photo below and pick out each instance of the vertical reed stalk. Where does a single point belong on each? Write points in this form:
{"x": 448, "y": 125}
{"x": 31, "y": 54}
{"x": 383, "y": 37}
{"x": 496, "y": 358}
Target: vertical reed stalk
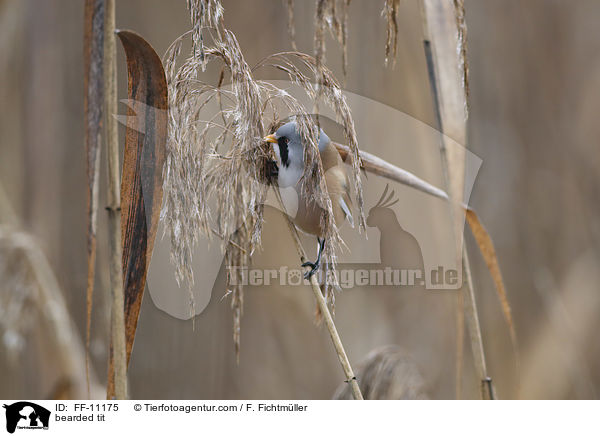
{"x": 460, "y": 348}
{"x": 93, "y": 102}
{"x": 322, "y": 303}
{"x": 114, "y": 204}
{"x": 470, "y": 307}
{"x": 440, "y": 63}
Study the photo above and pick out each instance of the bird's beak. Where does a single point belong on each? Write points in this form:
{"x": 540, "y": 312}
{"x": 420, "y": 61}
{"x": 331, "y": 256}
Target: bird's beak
{"x": 270, "y": 138}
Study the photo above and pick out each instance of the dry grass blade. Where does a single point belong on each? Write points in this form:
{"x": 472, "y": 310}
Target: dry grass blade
{"x": 486, "y": 246}
{"x": 93, "y": 98}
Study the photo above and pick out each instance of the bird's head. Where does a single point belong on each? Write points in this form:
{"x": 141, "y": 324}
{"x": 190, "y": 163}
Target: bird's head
{"x": 288, "y": 147}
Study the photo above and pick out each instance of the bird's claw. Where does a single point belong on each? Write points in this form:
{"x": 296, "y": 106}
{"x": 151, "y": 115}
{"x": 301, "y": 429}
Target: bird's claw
{"x": 314, "y": 266}
{"x": 313, "y": 269}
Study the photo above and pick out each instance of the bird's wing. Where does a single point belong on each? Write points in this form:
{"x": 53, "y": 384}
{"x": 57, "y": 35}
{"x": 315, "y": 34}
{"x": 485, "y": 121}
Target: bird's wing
{"x": 337, "y": 180}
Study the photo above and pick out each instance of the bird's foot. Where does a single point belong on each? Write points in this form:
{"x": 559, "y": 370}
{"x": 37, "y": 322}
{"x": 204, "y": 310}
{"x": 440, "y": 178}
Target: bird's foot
{"x": 314, "y": 267}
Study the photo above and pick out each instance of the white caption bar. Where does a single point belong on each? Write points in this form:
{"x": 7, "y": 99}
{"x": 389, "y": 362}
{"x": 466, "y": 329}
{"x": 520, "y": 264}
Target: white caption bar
{"x": 21, "y": 417}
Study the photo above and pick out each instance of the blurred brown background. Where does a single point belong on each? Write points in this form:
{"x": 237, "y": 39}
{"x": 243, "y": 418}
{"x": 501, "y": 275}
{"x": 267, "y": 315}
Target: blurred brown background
{"x": 535, "y": 88}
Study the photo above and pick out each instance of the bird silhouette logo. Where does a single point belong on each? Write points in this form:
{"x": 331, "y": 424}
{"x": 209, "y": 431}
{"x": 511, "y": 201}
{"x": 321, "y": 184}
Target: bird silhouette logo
{"x": 397, "y": 247}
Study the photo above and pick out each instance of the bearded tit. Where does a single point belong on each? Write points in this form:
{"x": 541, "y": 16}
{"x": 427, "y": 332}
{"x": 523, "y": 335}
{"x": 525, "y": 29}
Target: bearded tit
{"x": 289, "y": 152}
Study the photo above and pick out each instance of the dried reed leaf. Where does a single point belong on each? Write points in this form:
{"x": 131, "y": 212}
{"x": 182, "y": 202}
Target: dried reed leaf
{"x": 93, "y": 103}
{"x": 390, "y": 12}
{"x": 142, "y": 182}
{"x": 486, "y": 246}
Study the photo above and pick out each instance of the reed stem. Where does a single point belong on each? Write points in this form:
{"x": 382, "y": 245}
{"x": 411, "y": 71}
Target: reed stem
{"x": 452, "y": 173}
{"x": 322, "y": 303}
{"x": 470, "y": 307}
{"x": 114, "y": 205}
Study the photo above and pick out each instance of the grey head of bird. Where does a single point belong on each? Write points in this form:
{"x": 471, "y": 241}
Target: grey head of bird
{"x": 288, "y": 146}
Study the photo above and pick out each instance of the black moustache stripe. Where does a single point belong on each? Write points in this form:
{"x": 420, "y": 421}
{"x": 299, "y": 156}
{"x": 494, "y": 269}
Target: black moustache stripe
{"x": 283, "y": 151}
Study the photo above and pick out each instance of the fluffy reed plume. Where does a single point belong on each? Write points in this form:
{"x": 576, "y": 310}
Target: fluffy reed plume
{"x": 390, "y": 12}
{"x": 387, "y": 373}
{"x": 333, "y": 16}
{"x": 203, "y": 13}
{"x": 222, "y": 157}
